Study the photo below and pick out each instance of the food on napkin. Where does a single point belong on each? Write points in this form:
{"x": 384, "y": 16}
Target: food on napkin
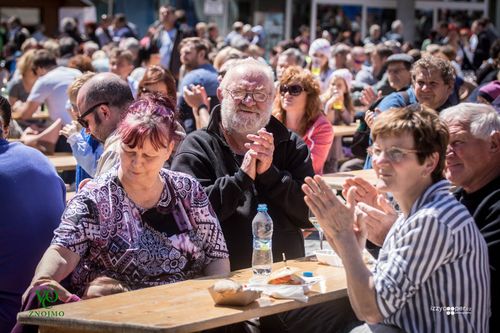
{"x": 229, "y": 292}
{"x": 227, "y": 286}
{"x": 286, "y": 275}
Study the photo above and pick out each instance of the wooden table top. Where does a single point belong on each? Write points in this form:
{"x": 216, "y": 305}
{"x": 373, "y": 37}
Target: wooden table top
{"x": 63, "y": 161}
{"x": 38, "y": 115}
{"x": 336, "y": 180}
{"x": 181, "y": 307}
{"x": 344, "y": 130}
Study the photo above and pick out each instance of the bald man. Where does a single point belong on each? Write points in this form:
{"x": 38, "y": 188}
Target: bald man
{"x": 102, "y": 103}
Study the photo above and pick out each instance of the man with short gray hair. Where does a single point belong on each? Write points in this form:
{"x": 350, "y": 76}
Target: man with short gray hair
{"x": 246, "y": 157}
{"x": 473, "y": 164}
{"x": 289, "y": 57}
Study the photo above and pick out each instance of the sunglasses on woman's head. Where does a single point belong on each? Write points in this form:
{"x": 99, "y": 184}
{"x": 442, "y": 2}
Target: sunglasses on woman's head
{"x": 294, "y": 89}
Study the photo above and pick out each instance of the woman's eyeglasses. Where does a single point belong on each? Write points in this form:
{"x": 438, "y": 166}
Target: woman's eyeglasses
{"x": 393, "y": 154}
{"x": 83, "y": 122}
{"x": 294, "y": 89}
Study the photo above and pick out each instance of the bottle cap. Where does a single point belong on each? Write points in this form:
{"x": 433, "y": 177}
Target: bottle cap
{"x": 307, "y": 274}
{"x": 262, "y": 208}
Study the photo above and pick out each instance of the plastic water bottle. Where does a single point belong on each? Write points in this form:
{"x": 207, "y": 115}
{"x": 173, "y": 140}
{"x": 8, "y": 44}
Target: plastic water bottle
{"x": 262, "y": 228}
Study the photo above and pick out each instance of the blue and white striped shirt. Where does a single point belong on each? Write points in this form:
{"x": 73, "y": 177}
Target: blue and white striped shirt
{"x": 432, "y": 274}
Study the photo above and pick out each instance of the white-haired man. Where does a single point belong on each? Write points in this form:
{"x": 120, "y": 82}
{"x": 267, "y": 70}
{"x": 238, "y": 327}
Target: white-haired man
{"x": 473, "y": 164}
{"x": 245, "y": 157}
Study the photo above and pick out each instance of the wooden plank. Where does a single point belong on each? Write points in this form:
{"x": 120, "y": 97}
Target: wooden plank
{"x": 38, "y": 115}
{"x": 344, "y": 130}
{"x": 183, "y": 307}
{"x": 63, "y": 161}
{"x": 336, "y": 180}
{"x": 48, "y": 329}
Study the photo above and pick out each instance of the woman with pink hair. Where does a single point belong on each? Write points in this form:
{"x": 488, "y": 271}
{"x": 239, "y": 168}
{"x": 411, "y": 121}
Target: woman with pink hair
{"x": 137, "y": 225}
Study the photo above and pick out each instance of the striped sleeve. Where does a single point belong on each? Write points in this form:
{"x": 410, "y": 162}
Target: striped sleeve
{"x": 419, "y": 249}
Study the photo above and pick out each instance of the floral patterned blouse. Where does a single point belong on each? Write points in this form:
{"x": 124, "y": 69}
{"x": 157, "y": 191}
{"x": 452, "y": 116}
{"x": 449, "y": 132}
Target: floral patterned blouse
{"x": 109, "y": 233}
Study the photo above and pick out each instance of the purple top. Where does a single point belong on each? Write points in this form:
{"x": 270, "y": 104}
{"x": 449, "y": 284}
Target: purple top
{"x": 105, "y": 228}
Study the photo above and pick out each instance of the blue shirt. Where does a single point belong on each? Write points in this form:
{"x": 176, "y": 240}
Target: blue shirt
{"x": 32, "y": 200}
{"x": 87, "y": 153}
{"x": 167, "y": 41}
{"x": 397, "y": 100}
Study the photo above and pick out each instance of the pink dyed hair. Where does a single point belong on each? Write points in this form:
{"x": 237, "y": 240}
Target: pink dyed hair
{"x": 151, "y": 117}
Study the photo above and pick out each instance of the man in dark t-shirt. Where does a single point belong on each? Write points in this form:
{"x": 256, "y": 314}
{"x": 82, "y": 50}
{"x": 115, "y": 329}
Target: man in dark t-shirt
{"x": 473, "y": 164}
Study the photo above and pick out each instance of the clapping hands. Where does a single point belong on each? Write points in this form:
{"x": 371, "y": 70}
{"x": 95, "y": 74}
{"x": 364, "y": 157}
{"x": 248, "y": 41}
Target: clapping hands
{"x": 262, "y": 149}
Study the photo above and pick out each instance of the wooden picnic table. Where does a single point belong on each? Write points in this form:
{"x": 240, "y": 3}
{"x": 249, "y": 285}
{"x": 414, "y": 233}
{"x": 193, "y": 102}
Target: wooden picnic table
{"x": 345, "y": 130}
{"x": 38, "y": 115}
{"x": 63, "y": 161}
{"x": 336, "y": 180}
{"x": 181, "y": 307}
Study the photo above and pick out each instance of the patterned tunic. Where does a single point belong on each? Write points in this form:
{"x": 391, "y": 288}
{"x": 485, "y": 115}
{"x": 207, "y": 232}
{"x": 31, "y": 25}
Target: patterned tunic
{"x": 105, "y": 228}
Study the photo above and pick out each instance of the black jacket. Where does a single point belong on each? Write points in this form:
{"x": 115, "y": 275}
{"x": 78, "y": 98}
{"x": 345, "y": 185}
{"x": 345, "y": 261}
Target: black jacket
{"x": 234, "y": 195}
{"x": 484, "y": 206}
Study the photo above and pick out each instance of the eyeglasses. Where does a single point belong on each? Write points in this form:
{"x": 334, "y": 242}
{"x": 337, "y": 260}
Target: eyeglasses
{"x": 257, "y": 96}
{"x": 394, "y": 154}
{"x": 83, "y": 122}
{"x": 294, "y": 89}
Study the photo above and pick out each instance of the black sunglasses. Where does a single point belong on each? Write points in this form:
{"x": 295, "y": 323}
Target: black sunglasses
{"x": 83, "y": 122}
{"x": 294, "y": 89}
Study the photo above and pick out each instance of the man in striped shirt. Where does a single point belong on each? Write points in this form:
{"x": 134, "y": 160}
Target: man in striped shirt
{"x": 432, "y": 274}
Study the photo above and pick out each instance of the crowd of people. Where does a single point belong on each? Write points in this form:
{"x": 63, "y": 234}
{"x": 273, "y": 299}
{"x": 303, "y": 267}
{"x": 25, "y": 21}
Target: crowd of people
{"x": 180, "y": 134}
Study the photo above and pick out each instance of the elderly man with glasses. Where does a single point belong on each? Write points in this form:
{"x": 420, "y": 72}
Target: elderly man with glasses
{"x": 101, "y": 104}
{"x": 246, "y": 157}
